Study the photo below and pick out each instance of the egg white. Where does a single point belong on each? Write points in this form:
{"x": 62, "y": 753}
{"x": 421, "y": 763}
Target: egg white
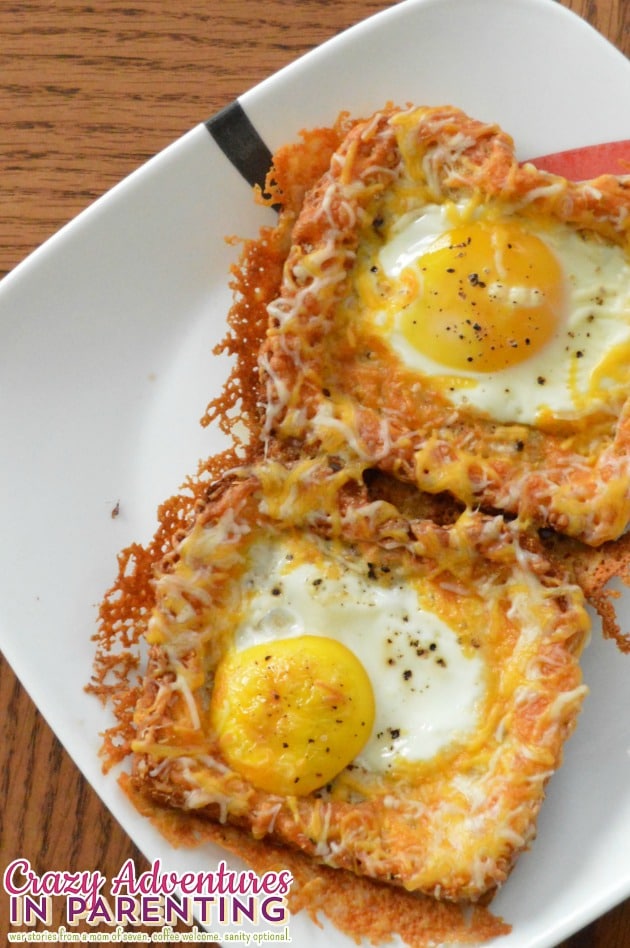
{"x": 427, "y": 692}
{"x": 561, "y": 379}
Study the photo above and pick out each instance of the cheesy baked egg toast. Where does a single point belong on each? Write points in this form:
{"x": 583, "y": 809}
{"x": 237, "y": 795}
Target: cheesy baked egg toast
{"x": 462, "y": 321}
{"x": 389, "y": 696}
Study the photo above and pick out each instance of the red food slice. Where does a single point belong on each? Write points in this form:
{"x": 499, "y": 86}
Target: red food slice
{"x": 581, "y": 164}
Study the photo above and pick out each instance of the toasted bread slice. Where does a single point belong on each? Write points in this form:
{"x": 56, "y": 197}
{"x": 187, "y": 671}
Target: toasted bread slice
{"x": 465, "y": 637}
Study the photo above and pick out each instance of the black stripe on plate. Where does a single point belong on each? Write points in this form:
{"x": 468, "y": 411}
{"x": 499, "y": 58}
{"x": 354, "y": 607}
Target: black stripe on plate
{"x": 238, "y": 139}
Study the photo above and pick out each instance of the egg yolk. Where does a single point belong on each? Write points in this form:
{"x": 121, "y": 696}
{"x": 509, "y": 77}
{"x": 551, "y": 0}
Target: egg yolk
{"x": 291, "y": 714}
{"x": 486, "y": 296}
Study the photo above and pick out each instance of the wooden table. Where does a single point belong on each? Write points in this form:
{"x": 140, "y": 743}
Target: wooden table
{"x": 88, "y": 92}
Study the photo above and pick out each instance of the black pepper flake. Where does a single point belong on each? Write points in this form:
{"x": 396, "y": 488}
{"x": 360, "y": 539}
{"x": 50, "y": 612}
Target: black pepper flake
{"x": 407, "y": 674}
{"x": 276, "y": 591}
{"x": 394, "y": 732}
{"x": 371, "y": 571}
{"x": 541, "y": 380}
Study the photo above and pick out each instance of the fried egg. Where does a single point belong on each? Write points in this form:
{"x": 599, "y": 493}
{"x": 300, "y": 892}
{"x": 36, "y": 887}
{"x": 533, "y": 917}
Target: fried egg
{"x": 383, "y": 678}
{"x": 522, "y": 318}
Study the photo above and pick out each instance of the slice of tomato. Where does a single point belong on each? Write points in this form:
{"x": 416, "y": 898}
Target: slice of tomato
{"x": 581, "y": 164}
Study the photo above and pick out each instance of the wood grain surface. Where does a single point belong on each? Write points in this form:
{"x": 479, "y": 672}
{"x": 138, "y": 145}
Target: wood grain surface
{"x": 88, "y": 92}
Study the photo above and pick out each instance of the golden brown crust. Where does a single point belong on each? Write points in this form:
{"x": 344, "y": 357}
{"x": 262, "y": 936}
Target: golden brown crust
{"x": 602, "y": 573}
{"x": 357, "y": 906}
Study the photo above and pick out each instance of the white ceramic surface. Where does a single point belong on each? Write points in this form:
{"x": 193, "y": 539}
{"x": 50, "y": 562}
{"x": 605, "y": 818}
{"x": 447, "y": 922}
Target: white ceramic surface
{"x": 106, "y": 368}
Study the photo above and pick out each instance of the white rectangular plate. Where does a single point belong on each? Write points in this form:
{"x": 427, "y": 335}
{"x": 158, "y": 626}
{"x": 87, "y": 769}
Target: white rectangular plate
{"x": 106, "y": 368}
